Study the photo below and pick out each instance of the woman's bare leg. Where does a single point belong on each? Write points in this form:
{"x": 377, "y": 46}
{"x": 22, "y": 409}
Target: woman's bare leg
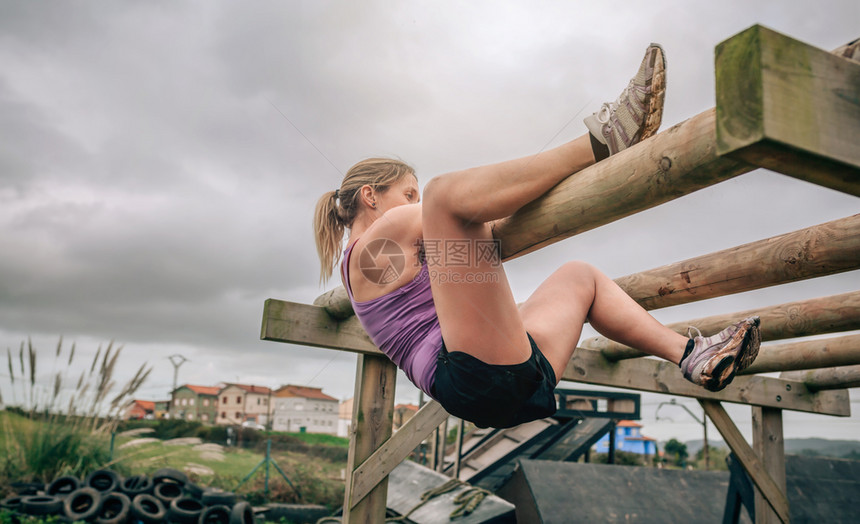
{"x": 576, "y": 292}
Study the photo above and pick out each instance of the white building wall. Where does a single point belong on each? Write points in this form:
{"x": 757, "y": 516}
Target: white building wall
{"x": 314, "y": 415}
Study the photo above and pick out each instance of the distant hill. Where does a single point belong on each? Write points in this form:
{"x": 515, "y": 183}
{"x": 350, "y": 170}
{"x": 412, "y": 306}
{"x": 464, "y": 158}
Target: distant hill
{"x": 797, "y": 446}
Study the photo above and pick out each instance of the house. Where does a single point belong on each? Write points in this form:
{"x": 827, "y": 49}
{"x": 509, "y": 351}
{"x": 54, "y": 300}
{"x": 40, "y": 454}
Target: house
{"x": 305, "y": 409}
{"x": 162, "y": 409}
{"x": 190, "y": 402}
{"x": 344, "y": 418}
{"x": 628, "y": 437}
{"x": 139, "y": 410}
{"x": 238, "y": 403}
{"x": 402, "y": 413}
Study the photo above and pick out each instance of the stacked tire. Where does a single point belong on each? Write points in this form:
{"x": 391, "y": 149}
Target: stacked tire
{"x": 106, "y": 498}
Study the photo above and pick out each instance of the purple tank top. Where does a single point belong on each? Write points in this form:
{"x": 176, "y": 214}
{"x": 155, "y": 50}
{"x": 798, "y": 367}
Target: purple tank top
{"x": 403, "y": 325}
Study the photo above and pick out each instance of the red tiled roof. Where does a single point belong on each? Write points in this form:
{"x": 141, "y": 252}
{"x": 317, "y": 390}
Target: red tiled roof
{"x": 649, "y": 439}
{"x": 260, "y": 390}
{"x": 204, "y": 390}
{"x": 291, "y": 390}
{"x": 628, "y": 424}
{"x": 410, "y": 407}
{"x": 148, "y": 405}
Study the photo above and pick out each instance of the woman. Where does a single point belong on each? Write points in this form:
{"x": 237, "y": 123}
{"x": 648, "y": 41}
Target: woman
{"x": 426, "y": 282}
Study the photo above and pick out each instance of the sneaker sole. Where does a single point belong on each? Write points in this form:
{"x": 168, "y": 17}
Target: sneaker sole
{"x": 737, "y": 355}
{"x": 654, "y": 110}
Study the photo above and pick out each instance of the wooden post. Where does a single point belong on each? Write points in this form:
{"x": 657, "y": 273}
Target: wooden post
{"x": 458, "y": 452}
{"x": 442, "y": 434}
{"x": 790, "y": 107}
{"x": 770, "y": 490}
{"x": 769, "y": 446}
{"x": 372, "y": 420}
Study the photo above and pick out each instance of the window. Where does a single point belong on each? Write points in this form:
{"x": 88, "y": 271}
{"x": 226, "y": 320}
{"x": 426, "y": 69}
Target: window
{"x": 205, "y": 402}
{"x": 258, "y": 401}
{"x": 204, "y": 417}
{"x": 224, "y": 400}
{"x": 238, "y": 400}
{"x": 238, "y": 415}
{"x": 184, "y": 401}
{"x": 223, "y": 414}
{"x": 190, "y": 401}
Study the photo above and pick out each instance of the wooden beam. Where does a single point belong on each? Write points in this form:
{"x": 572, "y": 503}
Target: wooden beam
{"x": 830, "y": 378}
{"x": 790, "y": 107}
{"x": 807, "y": 354}
{"x": 817, "y": 251}
{"x": 674, "y": 163}
{"x": 588, "y": 366}
{"x": 748, "y": 459}
{"x": 383, "y": 461}
{"x": 803, "y": 318}
{"x": 372, "y": 420}
{"x": 768, "y": 444}
{"x": 659, "y": 376}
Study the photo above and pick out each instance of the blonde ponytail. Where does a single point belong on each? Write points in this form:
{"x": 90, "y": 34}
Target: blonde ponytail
{"x": 329, "y": 230}
{"x": 336, "y": 210}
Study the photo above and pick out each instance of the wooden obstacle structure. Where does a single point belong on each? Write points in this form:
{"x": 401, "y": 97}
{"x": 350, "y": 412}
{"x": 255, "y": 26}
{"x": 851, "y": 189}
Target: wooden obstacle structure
{"x": 782, "y": 105}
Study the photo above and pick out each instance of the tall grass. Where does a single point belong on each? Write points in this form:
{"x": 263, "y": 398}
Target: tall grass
{"x": 71, "y": 426}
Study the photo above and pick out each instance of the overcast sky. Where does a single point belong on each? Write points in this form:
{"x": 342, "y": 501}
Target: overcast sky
{"x": 159, "y": 161}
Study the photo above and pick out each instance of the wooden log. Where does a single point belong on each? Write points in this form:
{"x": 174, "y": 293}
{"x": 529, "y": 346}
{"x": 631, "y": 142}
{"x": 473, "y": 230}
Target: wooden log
{"x": 807, "y": 354}
{"x": 790, "y": 107}
{"x": 674, "y": 163}
{"x": 803, "y": 318}
{"x": 336, "y": 303}
{"x": 587, "y": 366}
{"x": 749, "y": 460}
{"x": 769, "y": 445}
{"x": 383, "y": 461}
{"x": 817, "y": 251}
{"x": 659, "y": 376}
{"x": 824, "y": 379}
{"x": 372, "y": 420}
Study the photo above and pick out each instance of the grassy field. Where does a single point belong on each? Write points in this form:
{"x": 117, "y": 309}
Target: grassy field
{"x": 311, "y": 470}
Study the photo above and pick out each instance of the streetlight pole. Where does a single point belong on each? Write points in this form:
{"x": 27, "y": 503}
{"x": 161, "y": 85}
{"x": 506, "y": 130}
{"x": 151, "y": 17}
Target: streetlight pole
{"x": 703, "y": 422}
{"x": 176, "y": 360}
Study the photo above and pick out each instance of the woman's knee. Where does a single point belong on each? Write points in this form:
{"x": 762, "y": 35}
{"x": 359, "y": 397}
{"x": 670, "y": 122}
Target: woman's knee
{"x": 580, "y": 274}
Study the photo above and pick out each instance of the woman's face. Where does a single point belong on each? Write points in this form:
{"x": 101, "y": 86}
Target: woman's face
{"x": 402, "y": 192}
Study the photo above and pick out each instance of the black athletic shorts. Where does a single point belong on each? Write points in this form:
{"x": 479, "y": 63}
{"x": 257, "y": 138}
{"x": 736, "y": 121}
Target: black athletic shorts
{"x": 493, "y": 395}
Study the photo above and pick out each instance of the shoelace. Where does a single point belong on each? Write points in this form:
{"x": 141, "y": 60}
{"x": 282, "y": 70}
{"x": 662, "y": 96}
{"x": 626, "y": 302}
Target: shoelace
{"x": 690, "y": 331}
{"x": 607, "y": 108}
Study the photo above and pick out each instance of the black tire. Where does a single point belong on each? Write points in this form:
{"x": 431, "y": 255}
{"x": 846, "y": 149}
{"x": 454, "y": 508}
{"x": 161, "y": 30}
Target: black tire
{"x": 167, "y": 492}
{"x": 242, "y": 514}
{"x": 169, "y": 475}
{"x": 215, "y": 515}
{"x": 12, "y": 503}
{"x": 148, "y": 509}
{"x": 115, "y": 509}
{"x": 103, "y": 480}
{"x": 192, "y": 490}
{"x": 62, "y": 486}
{"x": 82, "y": 504}
{"x": 41, "y": 505}
{"x": 135, "y": 485}
{"x": 216, "y": 497}
{"x": 185, "y": 510}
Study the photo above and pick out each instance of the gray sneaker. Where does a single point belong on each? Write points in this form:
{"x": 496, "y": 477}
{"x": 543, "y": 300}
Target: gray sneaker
{"x": 637, "y": 112}
{"x": 715, "y": 360}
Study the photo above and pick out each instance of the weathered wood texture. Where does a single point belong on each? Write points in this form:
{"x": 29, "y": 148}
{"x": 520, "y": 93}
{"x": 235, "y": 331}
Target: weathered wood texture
{"x": 807, "y": 354}
{"x": 300, "y": 324}
{"x": 397, "y": 448}
{"x": 829, "y": 378}
{"x": 674, "y": 163}
{"x": 803, "y": 318}
{"x": 769, "y": 445}
{"x": 817, "y": 251}
{"x": 659, "y": 376}
{"x": 790, "y": 107}
{"x": 766, "y": 485}
{"x": 372, "y": 418}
